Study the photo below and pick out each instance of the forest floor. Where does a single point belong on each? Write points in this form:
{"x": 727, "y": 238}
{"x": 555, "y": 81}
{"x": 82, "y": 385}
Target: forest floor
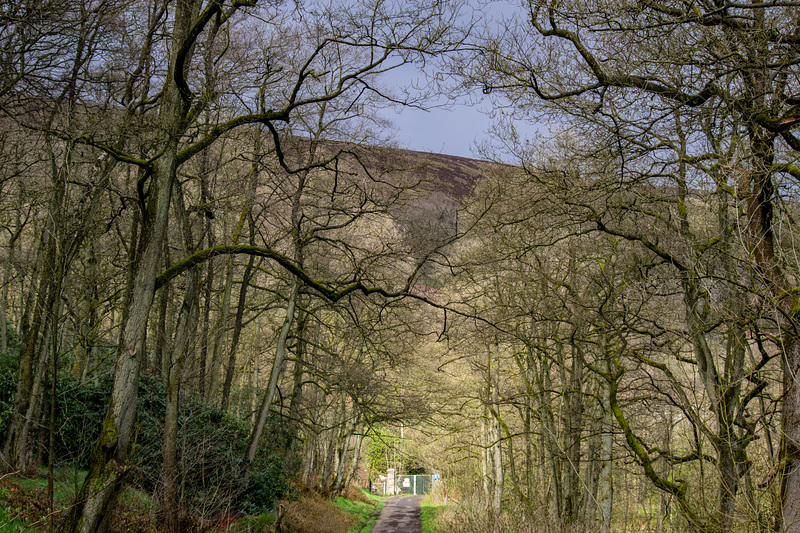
{"x": 24, "y": 507}
{"x": 24, "y": 500}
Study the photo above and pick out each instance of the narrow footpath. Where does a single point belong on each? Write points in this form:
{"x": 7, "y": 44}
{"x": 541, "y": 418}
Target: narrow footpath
{"x": 400, "y": 514}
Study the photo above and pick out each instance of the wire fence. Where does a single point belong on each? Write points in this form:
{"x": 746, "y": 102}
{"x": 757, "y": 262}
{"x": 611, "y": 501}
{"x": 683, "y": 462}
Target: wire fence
{"x": 405, "y": 484}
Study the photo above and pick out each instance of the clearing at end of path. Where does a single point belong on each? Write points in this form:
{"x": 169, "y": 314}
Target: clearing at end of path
{"x": 399, "y": 514}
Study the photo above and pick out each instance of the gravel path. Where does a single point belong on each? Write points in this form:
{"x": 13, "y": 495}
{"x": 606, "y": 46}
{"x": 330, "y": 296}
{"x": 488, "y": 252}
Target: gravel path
{"x": 399, "y": 515}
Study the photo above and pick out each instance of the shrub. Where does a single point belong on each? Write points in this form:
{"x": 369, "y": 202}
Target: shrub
{"x": 79, "y": 416}
{"x": 211, "y": 446}
{"x": 9, "y": 363}
{"x": 267, "y": 485}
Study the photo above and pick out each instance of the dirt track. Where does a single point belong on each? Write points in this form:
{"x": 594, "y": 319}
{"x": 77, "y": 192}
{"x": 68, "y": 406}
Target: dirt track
{"x": 399, "y": 515}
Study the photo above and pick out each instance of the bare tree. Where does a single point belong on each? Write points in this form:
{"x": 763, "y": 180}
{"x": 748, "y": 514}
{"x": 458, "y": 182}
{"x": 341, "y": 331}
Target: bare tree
{"x": 692, "y": 97}
{"x": 409, "y": 31}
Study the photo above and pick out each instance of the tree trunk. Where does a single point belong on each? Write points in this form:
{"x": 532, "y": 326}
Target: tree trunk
{"x": 207, "y": 298}
{"x": 297, "y": 388}
{"x": 272, "y": 387}
{"x": 342, "y": 462}
{"x": 253, "y": 404}
{"x": 109, "y": 460}
{"x": 219, "y": 331}
{"x": 354, "y": 463}
{"x": 245, "y": 214}
{"x": 7, "y": 281}
{"x": 589, "y": 510}
{"x": 29, "y": 297}
{"x": 664, "y": 511}
{"x": 790, "y": 482}
{"x": 17, "y": 448}
{"x": 221, "y": 328}
{"x": 497, "y": 450}
{"x": 331, "y": 449}
{"x": 184, "y": 329}
{"x": 183, "y": 334}
{"x": 88, "y": 319}
{"x": 237, "y": 331}
{"x": 310, "y": 459}
{"x": 159, "y": 368}
{"x": 108, "y": 465}
{"x": 572, "y": 438}
{"x": 605, "y": 492}
{"x": 493, "y": 457}
{"x": 23, "y": 444}
{"x": 531, "y": 472}
{"x": 550, "y": 437}
{"x": 486, "y": 458}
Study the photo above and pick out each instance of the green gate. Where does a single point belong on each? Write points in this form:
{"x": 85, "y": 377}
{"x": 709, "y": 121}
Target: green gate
{"x": 414, "y": 484}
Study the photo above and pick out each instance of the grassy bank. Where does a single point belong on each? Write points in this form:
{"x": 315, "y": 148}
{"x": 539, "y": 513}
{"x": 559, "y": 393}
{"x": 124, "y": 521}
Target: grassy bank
{"x": 353, "y": 512}
{"x": 431, "y": 513}
{"x": 363, "y": 505}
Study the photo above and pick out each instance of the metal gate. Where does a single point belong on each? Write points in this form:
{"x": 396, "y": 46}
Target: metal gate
{"x": 419, "y": 484}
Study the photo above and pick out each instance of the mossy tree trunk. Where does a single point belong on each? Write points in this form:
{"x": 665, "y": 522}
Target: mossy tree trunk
{"x": 109, "y": 460}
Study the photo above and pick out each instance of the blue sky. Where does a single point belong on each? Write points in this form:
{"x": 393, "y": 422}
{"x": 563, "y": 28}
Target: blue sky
{"x": 453, "y": 131}
{"x": 457, "y": 129}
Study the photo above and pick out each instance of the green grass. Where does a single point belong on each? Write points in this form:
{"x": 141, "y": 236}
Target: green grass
{"x": 429, "y": 513}
{"x": 250, "y": 524}
{"x": 373, "y": 497}
{"x": 65, "y": 481}
{"x": 24, "y": 501}
{"x": 366, "y": 512}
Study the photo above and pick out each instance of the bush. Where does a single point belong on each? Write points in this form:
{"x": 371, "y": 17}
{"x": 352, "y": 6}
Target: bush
{"x": 212, "y": 444}
{"x": 9, "y": 363}
{"x": 79, "y": 416}
{"x": 267, "y": 485}
{"x": 211, "y": 447}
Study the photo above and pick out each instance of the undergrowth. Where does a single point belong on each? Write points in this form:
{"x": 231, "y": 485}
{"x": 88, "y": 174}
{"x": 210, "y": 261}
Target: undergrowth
{"x": 24, "y": 504}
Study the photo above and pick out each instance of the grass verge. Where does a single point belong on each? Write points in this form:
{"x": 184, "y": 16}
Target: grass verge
{"x": 354, "y": 512}
{"x": 430, "y": 513}
{"x": 362, "y": 504}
